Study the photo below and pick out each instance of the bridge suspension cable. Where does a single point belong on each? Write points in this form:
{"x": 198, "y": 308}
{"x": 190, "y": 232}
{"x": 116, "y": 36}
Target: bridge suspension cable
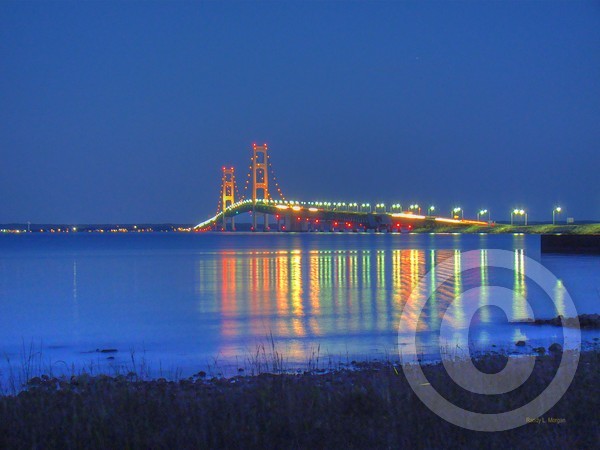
{"x": 237, "y": 191}
{"x": 272, "y": 172}
{"x": 247, "y": 183}
{"x": 220, "y": 203}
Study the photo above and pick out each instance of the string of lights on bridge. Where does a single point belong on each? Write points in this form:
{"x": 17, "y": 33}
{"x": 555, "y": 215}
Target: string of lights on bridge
{"x": 395, "y": 210}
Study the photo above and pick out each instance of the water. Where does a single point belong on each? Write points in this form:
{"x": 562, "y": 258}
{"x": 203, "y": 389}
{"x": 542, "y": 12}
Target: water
{"x": 194, "y": 301}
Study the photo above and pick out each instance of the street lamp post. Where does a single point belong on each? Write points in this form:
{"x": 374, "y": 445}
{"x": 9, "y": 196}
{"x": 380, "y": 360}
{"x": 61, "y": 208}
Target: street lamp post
{"x": 483, "y": 212}
{"x": 457, "y": 210}
{"x": 555, "y": 211}
{"x": 518, "y": 212}
{"x": 431, "y": 210}
{"x": 415, "y": 207}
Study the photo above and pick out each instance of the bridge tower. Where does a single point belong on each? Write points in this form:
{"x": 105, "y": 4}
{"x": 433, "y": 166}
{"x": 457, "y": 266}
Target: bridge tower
{"x": 228, "y": 190}
{"x": 260, "y": 180}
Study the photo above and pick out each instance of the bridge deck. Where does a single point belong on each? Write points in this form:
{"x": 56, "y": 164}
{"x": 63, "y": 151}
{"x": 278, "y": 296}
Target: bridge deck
{"x": 300, "y": 217}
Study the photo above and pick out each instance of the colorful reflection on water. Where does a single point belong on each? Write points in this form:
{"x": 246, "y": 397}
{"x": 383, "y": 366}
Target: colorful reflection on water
{"x": 339, "y": 296}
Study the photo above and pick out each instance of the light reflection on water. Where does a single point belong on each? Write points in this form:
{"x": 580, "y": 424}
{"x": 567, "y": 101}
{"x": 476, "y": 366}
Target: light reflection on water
{"x": 184, "y": 299}
{"x": 324, "y": 294}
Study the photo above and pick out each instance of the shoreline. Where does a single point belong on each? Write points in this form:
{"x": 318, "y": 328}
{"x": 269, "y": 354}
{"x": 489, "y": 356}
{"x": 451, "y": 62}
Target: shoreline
{"x": 269, "y": 356}
{"x": 582, "y": 321}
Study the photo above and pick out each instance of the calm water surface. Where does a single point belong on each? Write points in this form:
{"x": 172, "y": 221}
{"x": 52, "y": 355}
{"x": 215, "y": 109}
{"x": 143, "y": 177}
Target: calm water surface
{"x": 190, "y": 301}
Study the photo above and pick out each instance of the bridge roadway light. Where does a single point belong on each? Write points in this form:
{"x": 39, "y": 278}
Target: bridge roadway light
{"x": 415, "y": 207}
{"x": 518, "y": 212}
{"x": 483, "y": 212}
{"x": 457, "y": 210}
{"x": 556, "y": 210}
{"x": 431, "y": 210}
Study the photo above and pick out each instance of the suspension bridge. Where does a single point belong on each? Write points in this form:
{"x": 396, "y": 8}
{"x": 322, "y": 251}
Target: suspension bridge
{"x": 262, "y": 197}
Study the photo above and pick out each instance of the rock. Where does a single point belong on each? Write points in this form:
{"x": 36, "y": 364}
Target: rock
{"x": 589, "y": 321}
{"x": 107, "y": 350}
{"x": 35, "y": 381}
{"x": 520, "y": 343}
{"x": 555, "y": 348}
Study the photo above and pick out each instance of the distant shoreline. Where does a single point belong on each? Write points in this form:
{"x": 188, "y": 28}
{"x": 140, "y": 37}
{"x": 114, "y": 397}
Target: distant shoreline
{"x": 20, "y": 228}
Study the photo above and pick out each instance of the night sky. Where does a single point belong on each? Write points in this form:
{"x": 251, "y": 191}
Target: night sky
{"x": 126, "y": 112}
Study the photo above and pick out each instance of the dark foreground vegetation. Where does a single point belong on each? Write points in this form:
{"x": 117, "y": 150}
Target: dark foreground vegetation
{"x": 367, "y": 406}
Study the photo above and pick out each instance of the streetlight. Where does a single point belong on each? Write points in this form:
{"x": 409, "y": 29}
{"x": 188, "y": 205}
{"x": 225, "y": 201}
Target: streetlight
{"x": 415, "y": 207}
{"x": 555, "y": 211}
{"x": 483, "y": 212}
{"x": 457, "y": 210}
{"x": 431, "y": 210}
{"x": 397, "y": 207}
{"x": 518, "y": 212}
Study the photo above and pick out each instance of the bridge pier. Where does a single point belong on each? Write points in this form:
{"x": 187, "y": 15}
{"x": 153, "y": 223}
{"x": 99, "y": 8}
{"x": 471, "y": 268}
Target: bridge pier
{"x": 265, "y": 221}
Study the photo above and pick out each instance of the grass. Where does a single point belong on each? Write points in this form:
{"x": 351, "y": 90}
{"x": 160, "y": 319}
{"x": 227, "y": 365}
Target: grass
{"x": 593, "y": 228}
{"x": 370, "y": 406}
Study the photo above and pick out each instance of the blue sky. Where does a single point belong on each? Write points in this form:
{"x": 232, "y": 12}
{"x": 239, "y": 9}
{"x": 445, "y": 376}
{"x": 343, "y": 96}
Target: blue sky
{"x": 126, "y": 111}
